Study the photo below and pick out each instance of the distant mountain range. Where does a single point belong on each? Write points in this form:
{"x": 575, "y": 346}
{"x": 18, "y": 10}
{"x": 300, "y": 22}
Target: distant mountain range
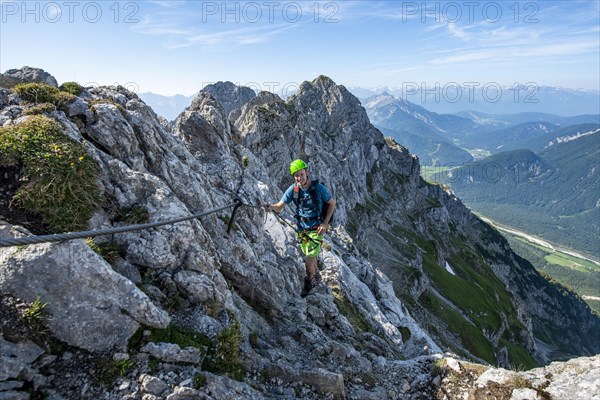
{"x": 168, "y": 107}
{"x": 427, "y": 134}
{"x": 455, "y": 139}
{"x": 534, "y": 136}
{"x": 493, "y": 99}
{"x": 553, "y": 193}
{"x": 473, "y": 99}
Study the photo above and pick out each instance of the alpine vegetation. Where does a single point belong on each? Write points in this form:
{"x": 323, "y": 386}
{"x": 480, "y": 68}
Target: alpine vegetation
{"x": 418, "y": 298}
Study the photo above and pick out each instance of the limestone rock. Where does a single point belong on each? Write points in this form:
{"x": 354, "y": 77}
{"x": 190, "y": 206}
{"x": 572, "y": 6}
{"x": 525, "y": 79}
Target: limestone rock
{"x": 170, "y": 352}
{"x": 153, "y": 385}
{"x": 187, "y": 393}
{"x": 15, "y": 357}
{"x": 230, "y": 96}
{"x": 4, "y": 97}
{"x": 13, "y": 77}
{"x": 91, "y": 306}
{"x": 222, "y": 387}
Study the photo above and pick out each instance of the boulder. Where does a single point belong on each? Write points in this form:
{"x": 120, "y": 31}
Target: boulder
{"x": 89, "y": 304}
{"x": 13, "y": 77}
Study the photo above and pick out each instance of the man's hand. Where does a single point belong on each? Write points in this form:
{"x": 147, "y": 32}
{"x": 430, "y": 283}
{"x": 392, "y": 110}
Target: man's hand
{"x": 322, "y": 229}
{"x": 277, "y": 207}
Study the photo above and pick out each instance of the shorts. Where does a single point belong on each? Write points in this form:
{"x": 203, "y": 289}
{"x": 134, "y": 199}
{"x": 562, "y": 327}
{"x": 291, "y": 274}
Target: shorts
{"x": 311, "y": 248}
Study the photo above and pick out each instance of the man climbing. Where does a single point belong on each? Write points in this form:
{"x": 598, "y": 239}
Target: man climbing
{"x": 311, "y": 199}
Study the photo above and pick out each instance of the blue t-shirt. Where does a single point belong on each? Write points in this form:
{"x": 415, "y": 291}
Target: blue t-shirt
{"x": 306, "y": 208}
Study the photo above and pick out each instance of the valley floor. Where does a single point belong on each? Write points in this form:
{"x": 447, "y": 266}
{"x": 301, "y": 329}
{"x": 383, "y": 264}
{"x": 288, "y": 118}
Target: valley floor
{"x": 578, "y": 272}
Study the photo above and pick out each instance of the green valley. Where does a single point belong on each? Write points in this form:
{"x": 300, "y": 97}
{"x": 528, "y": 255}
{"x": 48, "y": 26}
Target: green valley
{"x": 570, "y": 269}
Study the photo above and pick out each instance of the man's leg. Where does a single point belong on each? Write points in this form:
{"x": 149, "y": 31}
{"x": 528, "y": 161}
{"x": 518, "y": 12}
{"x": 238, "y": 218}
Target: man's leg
{"x": 311, "y": 267}
{"x": 311, "y": 247}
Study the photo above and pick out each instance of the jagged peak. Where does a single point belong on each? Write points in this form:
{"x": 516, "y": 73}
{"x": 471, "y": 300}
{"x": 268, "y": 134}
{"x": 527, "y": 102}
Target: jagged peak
{"x": 324, "y": 81}
{"x": 230, "y": 95}
{"x": 333, "y": 96}
{"x": 264, "y": 97}
{"x": 203, "y": 98}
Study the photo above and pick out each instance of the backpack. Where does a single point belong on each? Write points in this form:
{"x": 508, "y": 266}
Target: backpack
{"x": 312, "y": 191}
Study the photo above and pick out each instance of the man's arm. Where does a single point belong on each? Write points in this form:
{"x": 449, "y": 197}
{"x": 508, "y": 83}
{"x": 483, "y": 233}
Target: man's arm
{"x": 277, "y": 207}
{"x": 331, "y": 203}
{"x": 322, "y": 229}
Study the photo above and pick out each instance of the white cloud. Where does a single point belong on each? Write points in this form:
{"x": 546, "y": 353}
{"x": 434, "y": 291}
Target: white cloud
{"x": 514, "y": 52}
{"x": 242, "y": 36}
{"x": 456, "y": 31}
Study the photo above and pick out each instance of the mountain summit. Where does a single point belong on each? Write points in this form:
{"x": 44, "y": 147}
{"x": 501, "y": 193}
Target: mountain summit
{"x": 190, "y": 310}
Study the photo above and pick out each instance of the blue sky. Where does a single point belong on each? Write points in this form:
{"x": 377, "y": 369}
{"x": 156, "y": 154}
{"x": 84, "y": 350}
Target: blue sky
{"x": 177, "y": 47}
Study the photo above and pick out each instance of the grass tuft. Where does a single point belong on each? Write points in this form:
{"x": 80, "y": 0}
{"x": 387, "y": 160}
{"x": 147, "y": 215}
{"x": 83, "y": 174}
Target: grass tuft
{"x": 133, "y": 215}
{"x": 108, "y": 370}
{"x": 199, "y": 381}
{"x": 35, "y": 313}
{"x": 224, "y": 356}
{"x": 61, "y": 179}
{"x": 42, "y": 93}
{"x": 109, "y": 251}
{"x": 73, "y": 88}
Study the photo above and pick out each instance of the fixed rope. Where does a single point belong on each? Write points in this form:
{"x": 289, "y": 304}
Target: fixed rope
{"x": 59, "y": 237}
{"x": 294, "y": 228}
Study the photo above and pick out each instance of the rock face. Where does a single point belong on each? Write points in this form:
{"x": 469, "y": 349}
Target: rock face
{"x": 230, "y": 302}
{"x": 92, "y": 306}
{"x": 576, "y": 379}
{"x": 230, "y": 96}
{"x": 13, "y": 77}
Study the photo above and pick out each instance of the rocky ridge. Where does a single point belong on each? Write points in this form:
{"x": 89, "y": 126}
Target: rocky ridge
{"x": 346, "y": 340}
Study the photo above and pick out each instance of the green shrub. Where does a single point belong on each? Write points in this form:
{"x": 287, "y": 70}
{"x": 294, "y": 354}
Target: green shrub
{"x": 135, "y": 214}
{"x": 173, "y": 302}
{"x": 42, "y": 108}
{"x": 61, "y": 179}
{"x": 253, "y": 339}
{"x": 42, "y": 93}
{"x": 119, "y": 107}
{"x": 110, "y": 251}
{"x": 182, "y": 337}
{"x": 73, "y": 88}
{"x": 199, "y": 381}
{"x": 108, "y": 370}
{"x": 349, "y": 310}
{"x": 35, "y": 312}
{"x": 224, "y": 354}
{"x": 405, "y": 332}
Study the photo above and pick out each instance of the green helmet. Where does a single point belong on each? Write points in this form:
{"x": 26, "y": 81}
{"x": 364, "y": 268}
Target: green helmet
{"x": 297, "y": 165}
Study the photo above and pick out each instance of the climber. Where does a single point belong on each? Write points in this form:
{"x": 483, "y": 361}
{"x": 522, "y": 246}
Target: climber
{"x": 314, "y": 209}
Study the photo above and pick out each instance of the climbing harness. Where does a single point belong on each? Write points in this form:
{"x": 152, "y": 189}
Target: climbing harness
{"x": 312, "y": 191}
{"x": 279, "y": 217}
